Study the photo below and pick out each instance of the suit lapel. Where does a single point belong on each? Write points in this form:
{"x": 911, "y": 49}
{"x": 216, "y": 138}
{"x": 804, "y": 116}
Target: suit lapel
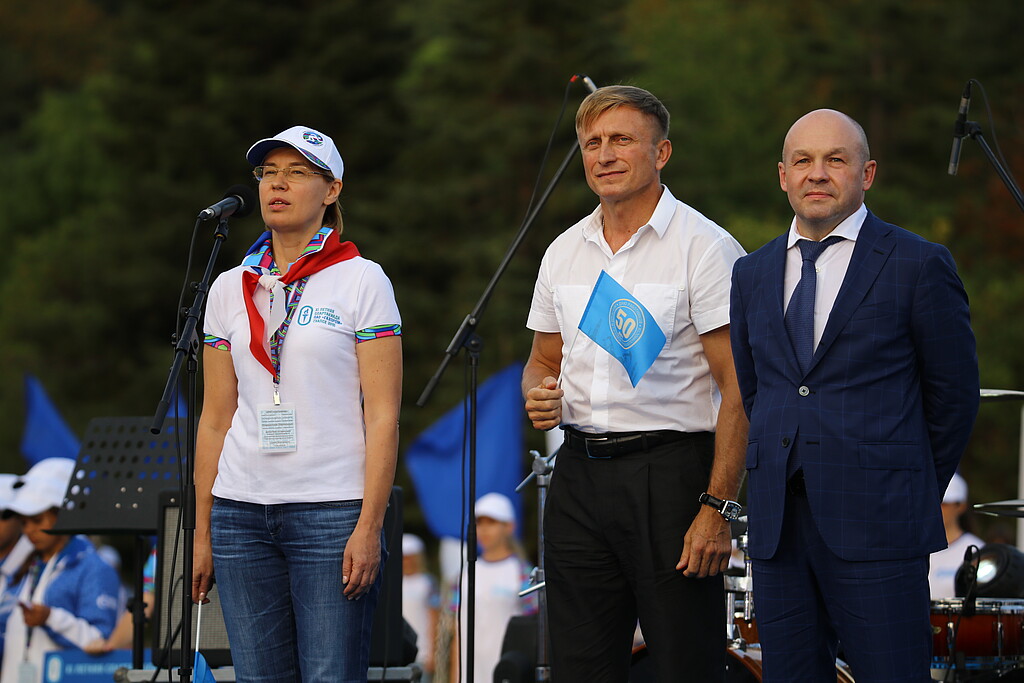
{"x": 874, "y": 245}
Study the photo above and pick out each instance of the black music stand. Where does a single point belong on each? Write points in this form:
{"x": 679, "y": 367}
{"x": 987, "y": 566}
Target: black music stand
{"x": 115, "y": 488}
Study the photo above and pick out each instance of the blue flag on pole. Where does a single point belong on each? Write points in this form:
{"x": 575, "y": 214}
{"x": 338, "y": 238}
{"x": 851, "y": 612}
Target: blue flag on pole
{"x": 201, "y": 670}
{"x": 435, "y": 457}
{"x": 46, "y": 435}
{"x": 622, "y": 326}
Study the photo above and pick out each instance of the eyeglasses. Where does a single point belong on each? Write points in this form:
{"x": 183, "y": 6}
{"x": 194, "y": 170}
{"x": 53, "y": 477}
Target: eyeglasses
{"x": 293, "y": 174}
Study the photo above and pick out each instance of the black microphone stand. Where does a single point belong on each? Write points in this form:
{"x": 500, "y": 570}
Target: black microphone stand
{"x": 187, "y": 346}
{"x": 466, "y": 337}
{"x": 972, "y": 129}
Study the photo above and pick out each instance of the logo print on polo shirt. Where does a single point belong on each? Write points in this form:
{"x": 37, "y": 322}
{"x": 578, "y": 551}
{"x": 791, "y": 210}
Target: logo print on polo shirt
{"x": 627, "y": 322}
{"x": 321, "y": 315}
{"x": 313, "y": 138}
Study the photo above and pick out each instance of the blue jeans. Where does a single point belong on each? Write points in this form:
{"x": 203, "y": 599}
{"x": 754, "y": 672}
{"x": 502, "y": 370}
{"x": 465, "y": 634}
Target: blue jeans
{"x": 278, "y": 570}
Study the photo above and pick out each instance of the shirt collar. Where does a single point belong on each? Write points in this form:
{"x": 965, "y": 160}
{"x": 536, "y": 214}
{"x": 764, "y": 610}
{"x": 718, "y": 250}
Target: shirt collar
{"x": 849, "y": 228}
{"x": 659, "y": 220}
{"x": 261, "y": 259}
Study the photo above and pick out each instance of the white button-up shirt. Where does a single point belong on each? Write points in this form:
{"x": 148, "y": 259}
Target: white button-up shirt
{"x": 679, "y": 266}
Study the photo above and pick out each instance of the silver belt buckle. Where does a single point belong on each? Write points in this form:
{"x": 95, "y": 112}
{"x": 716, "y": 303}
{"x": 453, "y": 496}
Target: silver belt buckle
{"x": 586, "y": 447}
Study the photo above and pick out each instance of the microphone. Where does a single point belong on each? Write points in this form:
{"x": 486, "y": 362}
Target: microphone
{"x": 239, "y": 201}
{"x": 970, "y": 579}
{"x": 586, "y": 81}
{"x": 959, "y": 129}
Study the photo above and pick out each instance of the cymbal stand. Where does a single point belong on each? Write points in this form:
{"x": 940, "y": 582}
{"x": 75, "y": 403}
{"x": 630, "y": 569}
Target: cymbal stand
{"x": 745, "y": 583}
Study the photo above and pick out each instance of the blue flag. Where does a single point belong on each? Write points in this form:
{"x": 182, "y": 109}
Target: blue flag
{"x": 435, "y": 457}
{"x": 620, "y": 325}
{"x": 46, "y": 435}
{"x": 201, "y": 670}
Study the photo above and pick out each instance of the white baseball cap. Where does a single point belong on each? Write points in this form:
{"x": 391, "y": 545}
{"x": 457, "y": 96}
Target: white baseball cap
{"x": 7, "y": 482}
{"x": 956, "y": 492}
{"x": 412, "y": 544}
{"x": 496, "y": 506}
{"x": 311, "y": 143}
{"x": 43, "y": 487}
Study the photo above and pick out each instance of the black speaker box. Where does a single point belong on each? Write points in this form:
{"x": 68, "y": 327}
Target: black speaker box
{"x": 169, "y": 586}
{"x": 392, "y": 642}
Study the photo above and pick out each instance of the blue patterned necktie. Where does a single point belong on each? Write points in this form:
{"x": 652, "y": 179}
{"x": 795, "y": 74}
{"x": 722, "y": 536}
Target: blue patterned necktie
{"x": 800, "y": 313}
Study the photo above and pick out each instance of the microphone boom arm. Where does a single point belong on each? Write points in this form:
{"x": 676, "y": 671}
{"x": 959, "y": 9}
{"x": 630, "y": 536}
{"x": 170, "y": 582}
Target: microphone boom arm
{"x": 973, "y": 130}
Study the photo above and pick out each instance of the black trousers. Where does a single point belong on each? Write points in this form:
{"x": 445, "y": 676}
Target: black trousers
{"x": 613, "y": 534}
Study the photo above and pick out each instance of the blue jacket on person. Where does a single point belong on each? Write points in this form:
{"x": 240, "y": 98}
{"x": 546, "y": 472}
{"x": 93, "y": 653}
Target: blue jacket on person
{"x": 82, "y": 594}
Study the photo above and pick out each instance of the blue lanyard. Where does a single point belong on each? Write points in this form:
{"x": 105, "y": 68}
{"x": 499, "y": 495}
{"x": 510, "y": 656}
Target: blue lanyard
{"x": 277, "y": 341}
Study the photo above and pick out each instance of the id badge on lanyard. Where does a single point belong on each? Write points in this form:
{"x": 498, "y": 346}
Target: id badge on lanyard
{"x": 28, "y": 672}
{"x": 277, "y": 424}
{"x": 278, "y": 433}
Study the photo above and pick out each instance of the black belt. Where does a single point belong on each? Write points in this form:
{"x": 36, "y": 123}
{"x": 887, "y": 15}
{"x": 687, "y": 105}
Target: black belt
{"x": 612, "y": 444}
{"x": 795, "y": 485}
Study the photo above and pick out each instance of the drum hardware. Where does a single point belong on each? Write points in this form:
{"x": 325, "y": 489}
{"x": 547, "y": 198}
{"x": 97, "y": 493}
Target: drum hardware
{"x": 734, "y": 586}
{"x": 986, "y": 645}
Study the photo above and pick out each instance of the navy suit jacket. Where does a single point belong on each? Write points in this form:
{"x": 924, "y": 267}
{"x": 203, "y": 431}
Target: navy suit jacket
{"x": 884, "y": 412}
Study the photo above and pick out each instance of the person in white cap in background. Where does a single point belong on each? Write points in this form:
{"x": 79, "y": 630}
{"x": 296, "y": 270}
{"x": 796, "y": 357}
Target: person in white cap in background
{"x": 298, "y": 437}
{"x": 15, "y": 549}
{"x": 944, "y": 564}
{"x": 501, "y": 572}
{"x": 68, "y": 595}
{"x": 420, "y": 601}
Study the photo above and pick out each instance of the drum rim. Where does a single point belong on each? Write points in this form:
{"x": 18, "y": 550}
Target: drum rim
{"x": 982, "y": 605}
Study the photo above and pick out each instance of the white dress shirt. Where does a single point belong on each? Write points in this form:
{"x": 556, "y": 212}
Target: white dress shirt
{"x": 831, "y": 267}
{"x": 679, "y": 266}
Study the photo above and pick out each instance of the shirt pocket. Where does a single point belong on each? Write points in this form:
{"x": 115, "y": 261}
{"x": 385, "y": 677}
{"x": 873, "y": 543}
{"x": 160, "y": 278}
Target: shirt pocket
{"x": 662, "y": 302}
{"x": 570, "y": 301}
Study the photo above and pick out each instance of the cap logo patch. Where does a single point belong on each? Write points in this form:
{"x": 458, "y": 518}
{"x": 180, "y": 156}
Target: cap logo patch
{"x": 313, "y": 138}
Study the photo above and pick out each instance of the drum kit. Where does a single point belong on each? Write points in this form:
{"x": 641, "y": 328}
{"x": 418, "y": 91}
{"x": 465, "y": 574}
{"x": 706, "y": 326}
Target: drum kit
{"x": 976, "y": 640}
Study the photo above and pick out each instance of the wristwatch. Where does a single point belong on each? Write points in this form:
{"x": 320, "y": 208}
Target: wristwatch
{"x": 729, "y": 509}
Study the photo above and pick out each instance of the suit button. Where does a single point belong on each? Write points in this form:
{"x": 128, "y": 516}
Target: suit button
{"x": 785, "y": 442}
{"x": 803, "y": 391}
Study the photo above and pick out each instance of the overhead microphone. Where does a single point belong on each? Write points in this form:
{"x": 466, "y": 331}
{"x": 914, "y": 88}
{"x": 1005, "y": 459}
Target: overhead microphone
{"x": 238, "y": 201}
{"x": 591, "y": 86}
{"x": 960, "y": 129}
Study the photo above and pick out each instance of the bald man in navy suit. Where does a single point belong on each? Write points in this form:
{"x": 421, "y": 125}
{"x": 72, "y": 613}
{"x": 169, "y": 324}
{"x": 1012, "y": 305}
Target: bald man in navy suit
{"x": 858, "y": 370}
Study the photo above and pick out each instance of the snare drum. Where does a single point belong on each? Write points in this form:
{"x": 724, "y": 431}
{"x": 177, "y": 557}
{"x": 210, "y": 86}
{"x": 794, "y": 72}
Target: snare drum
{"x": 993, "y": 638}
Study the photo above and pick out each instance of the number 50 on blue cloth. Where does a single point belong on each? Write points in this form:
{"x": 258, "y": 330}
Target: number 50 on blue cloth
{"x": 622, "y": 326}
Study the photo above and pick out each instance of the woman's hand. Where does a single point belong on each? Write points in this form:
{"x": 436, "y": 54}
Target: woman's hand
{"x": 361, "y": 562}
{"x": 202, "y": 570}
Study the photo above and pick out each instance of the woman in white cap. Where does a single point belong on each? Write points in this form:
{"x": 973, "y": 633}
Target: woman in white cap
{"x": 68, "y": 596}
{"x": 298, "y": 437}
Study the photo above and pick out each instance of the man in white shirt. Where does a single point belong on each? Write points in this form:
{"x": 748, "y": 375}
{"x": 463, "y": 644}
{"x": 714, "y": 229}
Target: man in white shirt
{"x": 626, "y": 535}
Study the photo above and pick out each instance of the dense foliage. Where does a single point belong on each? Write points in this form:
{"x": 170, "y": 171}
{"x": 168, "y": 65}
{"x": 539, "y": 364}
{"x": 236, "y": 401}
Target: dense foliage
{"x": 121, "y": 119}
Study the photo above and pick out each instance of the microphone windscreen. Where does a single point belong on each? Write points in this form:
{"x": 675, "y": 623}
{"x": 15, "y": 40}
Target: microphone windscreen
{"x": 247, "y": 199}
